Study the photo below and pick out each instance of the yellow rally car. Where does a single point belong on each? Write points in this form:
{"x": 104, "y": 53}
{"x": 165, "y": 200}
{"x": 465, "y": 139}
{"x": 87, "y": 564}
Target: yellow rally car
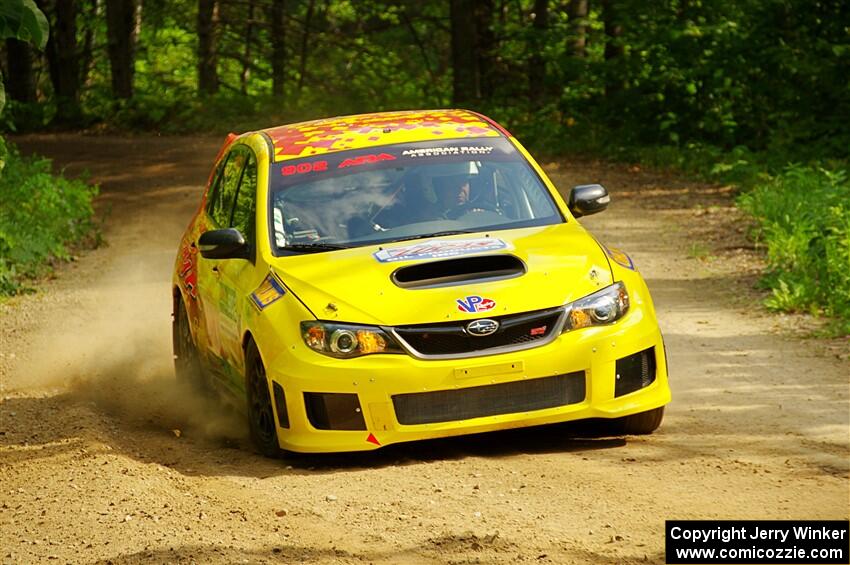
{"x": 373, "y": 279}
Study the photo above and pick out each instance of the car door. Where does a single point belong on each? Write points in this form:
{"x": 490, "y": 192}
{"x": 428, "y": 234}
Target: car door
{"x": 218, "y": 212}
{"x": 239, "y": 278}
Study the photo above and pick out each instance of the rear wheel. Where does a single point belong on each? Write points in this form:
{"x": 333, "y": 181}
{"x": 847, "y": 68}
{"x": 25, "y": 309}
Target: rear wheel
{"x": 643, "y": 423}
{"x": 260, "y": 413}
{"x": 187, "y": 362}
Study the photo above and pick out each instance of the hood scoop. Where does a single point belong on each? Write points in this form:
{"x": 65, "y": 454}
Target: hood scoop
{"x": 452, "y": 272}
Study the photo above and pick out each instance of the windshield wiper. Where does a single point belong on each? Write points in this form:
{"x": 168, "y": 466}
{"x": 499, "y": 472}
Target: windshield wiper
{"x": 434, "y": 234}
{"x": 314, "y": 247}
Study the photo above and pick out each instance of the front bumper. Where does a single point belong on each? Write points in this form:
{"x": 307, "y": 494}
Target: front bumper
{"x": 592, "y": 353}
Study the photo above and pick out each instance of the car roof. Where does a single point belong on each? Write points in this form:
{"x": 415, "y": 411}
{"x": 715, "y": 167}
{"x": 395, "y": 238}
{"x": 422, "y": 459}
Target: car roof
{"x": 362, "y": 131}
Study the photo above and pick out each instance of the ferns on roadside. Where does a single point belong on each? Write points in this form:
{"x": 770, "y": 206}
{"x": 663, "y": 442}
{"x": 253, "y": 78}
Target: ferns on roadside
{"x": 803, "y": 217}
{"x": 41, "y": 216}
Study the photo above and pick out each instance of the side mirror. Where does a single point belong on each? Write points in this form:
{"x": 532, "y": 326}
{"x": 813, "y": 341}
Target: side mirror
{"x": 224, "y": 244}
{"x": 587, "y": 199}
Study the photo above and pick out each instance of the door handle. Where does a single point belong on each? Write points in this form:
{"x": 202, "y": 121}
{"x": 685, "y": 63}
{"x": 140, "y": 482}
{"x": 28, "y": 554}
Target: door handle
{"x": 216, "y": 271}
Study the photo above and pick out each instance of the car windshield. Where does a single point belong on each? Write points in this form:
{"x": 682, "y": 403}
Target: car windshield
{"x": 406, "y": 191}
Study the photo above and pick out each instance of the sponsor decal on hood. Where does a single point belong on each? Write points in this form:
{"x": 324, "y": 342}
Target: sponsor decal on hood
{"x": 472, "y": 304}
{"x": 439, "y": 249}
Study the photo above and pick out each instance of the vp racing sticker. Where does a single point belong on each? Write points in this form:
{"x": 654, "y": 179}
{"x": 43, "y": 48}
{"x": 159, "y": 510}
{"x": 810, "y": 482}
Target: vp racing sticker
{"x": 475, "y": 303}
{"x": 439, "y": 249}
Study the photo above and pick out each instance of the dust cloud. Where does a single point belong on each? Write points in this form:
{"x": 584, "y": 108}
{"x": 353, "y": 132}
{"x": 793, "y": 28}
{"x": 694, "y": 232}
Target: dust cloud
{"x": 112, "y": 349}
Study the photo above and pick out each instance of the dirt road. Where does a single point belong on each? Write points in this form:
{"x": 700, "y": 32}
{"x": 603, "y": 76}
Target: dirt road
{"x": 103, "y": 459}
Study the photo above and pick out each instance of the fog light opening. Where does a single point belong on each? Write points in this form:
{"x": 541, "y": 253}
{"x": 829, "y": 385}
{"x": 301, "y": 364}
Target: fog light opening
{"x": 634, "y": 372}
{"x": 334, "y": 411}
{"x": 280, "y": 405}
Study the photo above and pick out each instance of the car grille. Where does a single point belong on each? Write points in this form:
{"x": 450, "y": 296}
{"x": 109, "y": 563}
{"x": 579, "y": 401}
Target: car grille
{"x": 489, "y": 400}
{"x": 517, "y": 331}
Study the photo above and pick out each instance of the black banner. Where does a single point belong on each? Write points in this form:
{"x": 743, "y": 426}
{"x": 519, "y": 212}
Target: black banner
{"x": 821, "y": 542}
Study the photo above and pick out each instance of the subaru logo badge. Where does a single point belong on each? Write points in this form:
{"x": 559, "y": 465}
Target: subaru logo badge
{"x": 481, "y": 328}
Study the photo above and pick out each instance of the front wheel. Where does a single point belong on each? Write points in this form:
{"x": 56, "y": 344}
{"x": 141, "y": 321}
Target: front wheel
{"x": 260, "y": 413}
{"x": 642, "y": 423}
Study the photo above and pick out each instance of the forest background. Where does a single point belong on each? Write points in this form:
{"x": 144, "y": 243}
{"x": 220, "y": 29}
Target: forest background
{"x": 753, "y": 93}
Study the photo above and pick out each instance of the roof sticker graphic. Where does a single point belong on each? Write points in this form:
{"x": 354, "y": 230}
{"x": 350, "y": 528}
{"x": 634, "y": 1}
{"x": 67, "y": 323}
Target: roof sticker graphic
{"x": 372, "y": 130}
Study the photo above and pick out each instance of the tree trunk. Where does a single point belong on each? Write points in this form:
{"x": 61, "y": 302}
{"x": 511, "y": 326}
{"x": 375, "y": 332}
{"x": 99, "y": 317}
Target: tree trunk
{"x": 207, "y": 55}
{"x": 62, "y": 60}
{"x": 577, "y": 38}
{"x": 305, "y": 43}
{"x": 429, "y": 84}
{"x": 485, "y": 46}
{"x": 613, "y": 46}
{"x": 86, "y": 52}
{"x": 465, "y": 75}
{"x": 536, "y": 62}
{"x": 249, "y": 33}
{"x": 121, "y": 45}
{"x": 613, "y": 29}
{"x": 20, "y": 82}
{"x": 278, "y": 31}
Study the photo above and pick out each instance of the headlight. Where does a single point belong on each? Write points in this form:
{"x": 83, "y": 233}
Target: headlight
{"x": 347, "y": 340}
{"x": 603, "y": 307}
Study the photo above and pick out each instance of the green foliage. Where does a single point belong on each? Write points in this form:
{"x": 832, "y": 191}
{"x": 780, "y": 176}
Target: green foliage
{"x": 803, "y": 219}
{"x": 767, "y": 75}
{"x": 354, "y": 57}
{"x": 21, "y": 19}
{"x": 41, "y": 216}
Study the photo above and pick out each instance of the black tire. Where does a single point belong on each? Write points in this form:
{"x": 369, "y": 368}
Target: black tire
{"x": 643, "y": 423}
{"x": 261, "y": 422}
{"x": 187, "y": 361}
